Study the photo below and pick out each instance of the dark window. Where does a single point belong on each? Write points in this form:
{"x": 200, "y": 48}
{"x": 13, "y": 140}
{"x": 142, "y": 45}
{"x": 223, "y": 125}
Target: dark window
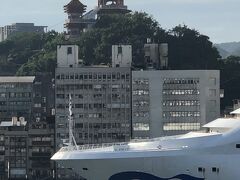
{"x": 69, "y": 50}
{"x": 119, "y": 50}
{"x": 237, "y": 145}
{"x": 200, "y": 169}
{"x": 214, "y": 169}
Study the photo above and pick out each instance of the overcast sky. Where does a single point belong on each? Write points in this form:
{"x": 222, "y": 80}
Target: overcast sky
{"x": 219, "y": 19}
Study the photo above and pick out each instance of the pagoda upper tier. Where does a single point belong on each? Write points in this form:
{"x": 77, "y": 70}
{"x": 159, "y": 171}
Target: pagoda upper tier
{"x": 112, "y": 7}
{"x": 75, "y": 6}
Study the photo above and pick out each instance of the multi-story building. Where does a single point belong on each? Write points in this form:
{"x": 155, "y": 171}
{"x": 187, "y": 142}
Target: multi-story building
{"x": 1, "y": 34}
{"x": 13, "y": 149}
{"x": 16, "y": 97}
{"x": 101, "y": 99}
{"x": 27, "y": 115}
{"x": 41, "y": 134}
{"x": 173, "y": 102}
{"x": 8, "y": 30}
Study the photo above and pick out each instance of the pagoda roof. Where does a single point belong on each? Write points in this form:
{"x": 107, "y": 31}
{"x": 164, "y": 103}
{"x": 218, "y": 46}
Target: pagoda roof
{"x": 75, "y": 6}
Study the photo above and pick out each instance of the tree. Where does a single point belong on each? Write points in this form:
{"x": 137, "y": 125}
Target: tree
{"x": 188, "y": 49}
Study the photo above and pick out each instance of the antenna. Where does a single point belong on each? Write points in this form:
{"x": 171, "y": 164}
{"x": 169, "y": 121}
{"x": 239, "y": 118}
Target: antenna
{"x": 72, "y": 141}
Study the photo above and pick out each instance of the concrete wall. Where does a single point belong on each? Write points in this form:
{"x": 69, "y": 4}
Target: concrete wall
{"x": 121, "y": 56}
{"x": 67, "y": 56}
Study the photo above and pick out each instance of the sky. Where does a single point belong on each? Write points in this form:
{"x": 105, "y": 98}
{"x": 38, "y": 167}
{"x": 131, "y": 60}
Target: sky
{"x": 218, "y": 19}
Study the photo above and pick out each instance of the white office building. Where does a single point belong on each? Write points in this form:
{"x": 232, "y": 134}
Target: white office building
{"x": 173, "y": 102}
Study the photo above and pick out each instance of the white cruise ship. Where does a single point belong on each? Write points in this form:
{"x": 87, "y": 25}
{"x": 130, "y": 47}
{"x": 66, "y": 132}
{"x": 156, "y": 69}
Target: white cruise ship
{"x": 213, "y": 154}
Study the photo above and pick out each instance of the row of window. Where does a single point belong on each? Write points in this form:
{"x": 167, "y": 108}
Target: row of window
{"x": 94, "y": 76}
{"x": 82, "y": 106}
{"x": 140, "y": 92}
{"x": 141, "y": 81}
{"x": 181, "y": 103}
{"x": 15, "y": 85}
{"x": 141, "y": 127}
{"x": 141, "y": 114}
{"x": 96, "y": 87}
{"x": 181, "y": 81}
{"x": 37, "y": 139}
{"x": 181, "y": 114}
{"x": 140, "y": 103}
{"x": 181, "y": 126}
{"x": 41, "y": 149}
{"x": 96, "y": 125}
{"x": 15, "y": 95}
{"x": 181, "y": 92}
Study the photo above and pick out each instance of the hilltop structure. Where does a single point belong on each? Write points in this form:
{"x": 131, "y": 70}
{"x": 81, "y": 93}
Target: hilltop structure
{"x": 75, "y": 23}
{"x": 112, "y": 7}
{"x": 79, "y": 20}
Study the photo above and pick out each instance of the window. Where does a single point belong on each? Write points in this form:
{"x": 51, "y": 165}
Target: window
{"x": 119, "y": 50}
{"x": 181, "y": 126}
{"x": 69, "y": 50}
{"x": 213, "y": 80}
{"x": 212, "y": 92}
{"x": 141, "y": 127}
{"x": 200, "y": 169}
{"x": 238, "y": 146}
{"x": 214, "y": 169}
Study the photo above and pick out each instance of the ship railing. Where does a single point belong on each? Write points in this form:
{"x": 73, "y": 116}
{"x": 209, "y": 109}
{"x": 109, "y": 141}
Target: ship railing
{"x": 155, "y": 139}
{"x": 116, "y": 147}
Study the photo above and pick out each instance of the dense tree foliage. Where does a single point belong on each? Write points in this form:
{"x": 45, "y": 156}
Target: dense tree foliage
{"x": 28, "y": 53}
{"x": 230, "y": 79}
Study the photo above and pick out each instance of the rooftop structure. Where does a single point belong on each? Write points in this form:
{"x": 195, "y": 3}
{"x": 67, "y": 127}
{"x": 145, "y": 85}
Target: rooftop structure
{"x": 75, "y": 22}
{"x": 112, "y": 7}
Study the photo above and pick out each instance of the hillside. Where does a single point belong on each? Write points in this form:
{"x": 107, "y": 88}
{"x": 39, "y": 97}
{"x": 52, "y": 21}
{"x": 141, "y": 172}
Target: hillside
{"x": 228, "y": 49}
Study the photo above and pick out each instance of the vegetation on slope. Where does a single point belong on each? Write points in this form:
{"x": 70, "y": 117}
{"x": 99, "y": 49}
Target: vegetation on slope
{"x": 29, "y": 53}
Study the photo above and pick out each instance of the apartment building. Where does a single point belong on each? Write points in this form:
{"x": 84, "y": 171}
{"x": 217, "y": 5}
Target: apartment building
{"x": 8, "y": 30}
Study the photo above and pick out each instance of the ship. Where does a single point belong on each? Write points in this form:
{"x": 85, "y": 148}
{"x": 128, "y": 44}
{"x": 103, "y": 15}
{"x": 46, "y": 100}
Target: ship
{"x": 212, "y": 153}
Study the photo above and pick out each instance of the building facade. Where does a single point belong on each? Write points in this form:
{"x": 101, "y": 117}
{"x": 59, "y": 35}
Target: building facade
{"x": 173, "y": 102}
{"x": 101, "y": 100}
{"x": 16, "y": 97}
{"x": 27, "y": 127}
{"x": 14, "y": 148}
{"x": 8, "y": 30}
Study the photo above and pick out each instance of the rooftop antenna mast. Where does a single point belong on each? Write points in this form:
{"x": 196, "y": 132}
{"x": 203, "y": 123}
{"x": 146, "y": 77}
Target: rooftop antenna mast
{"x": 72, "y": 141}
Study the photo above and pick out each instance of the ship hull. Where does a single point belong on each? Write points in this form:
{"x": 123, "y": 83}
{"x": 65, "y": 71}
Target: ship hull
{"x": 175, "y": 166}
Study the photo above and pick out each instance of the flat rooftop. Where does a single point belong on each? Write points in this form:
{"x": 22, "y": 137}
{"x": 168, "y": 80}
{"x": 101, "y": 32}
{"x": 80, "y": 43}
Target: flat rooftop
{"x": 17, "y": 79}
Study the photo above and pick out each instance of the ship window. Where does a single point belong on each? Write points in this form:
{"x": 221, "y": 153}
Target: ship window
{"x": 214, "y": 169}
{"x": 237, "y": 145}
{"x": 85, "y": 169}
{"x": 200, "y": 169}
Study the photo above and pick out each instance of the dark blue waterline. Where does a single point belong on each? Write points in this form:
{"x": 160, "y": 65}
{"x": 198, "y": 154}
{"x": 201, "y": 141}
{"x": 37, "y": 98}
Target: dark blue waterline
{"x": 145, "y": 176}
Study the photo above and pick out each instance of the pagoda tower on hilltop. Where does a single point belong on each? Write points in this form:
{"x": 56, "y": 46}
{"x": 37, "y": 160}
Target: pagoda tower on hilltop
{"x": 112, "y": 7}
{"x": 75, "y": 24}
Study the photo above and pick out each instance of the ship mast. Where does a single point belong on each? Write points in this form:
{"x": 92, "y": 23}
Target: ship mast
{"x": 72, "y": 141}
